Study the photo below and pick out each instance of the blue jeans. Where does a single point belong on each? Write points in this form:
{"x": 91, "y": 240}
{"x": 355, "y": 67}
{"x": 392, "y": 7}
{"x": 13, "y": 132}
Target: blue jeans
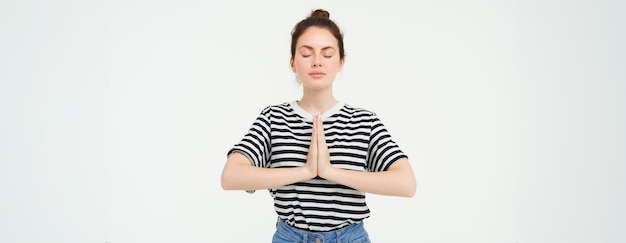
{"x": 349, "y": 234}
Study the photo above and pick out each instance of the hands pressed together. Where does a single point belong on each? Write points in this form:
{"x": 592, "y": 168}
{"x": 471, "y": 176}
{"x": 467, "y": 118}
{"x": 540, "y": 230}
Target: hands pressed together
{"x": 318, "y": 158}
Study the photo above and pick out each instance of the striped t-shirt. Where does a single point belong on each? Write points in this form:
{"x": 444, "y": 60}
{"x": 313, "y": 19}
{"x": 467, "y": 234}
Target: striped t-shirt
{"x": 356, "y": 139}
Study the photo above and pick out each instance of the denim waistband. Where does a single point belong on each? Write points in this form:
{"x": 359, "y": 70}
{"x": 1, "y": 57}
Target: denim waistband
{"x": 339, "y": 235}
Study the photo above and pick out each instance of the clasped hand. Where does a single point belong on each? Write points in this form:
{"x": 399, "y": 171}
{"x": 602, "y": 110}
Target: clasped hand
{"x": 318, "y": 158}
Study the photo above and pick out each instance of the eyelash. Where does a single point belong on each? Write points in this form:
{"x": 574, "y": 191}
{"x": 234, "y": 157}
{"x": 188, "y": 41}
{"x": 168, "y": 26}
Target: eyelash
{"x": 310, "y": 55}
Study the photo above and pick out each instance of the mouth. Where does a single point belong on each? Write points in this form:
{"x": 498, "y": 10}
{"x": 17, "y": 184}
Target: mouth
{"x": 317, "y": 74}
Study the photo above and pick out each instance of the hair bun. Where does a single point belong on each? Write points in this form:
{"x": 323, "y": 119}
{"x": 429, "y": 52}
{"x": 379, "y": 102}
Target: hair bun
{"x": 320, "y": 13}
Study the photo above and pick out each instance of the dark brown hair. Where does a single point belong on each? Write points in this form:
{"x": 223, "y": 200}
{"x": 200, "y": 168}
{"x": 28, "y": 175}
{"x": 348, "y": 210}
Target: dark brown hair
{"x": 318, "y": 18}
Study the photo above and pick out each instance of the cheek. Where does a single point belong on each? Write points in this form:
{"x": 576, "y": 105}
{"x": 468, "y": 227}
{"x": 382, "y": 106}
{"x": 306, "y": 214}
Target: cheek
{"x": 332, "y": 64}
{"x": 301, "y": 65}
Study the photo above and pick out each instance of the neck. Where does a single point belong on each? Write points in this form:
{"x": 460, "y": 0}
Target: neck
{"x": 317, "y": 102}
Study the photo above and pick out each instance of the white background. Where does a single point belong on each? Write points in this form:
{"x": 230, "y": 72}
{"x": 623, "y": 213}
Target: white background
{"x": 116, "y": 116}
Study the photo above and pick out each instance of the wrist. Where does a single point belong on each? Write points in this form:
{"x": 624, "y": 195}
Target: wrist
{"x": 329, "y": 173}
{"x": 308, "y": 173}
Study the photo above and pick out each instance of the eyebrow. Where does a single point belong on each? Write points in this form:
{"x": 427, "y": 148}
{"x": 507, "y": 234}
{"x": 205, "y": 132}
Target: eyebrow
{"x": 311, "y": 48}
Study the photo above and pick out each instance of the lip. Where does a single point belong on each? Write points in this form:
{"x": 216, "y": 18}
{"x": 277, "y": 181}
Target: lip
{"x": 317, "y": 74}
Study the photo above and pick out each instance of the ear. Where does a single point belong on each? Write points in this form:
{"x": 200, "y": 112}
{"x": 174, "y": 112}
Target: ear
{"x": 292, "y": 65}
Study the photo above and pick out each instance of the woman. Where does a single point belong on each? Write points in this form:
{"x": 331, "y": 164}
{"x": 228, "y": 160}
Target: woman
{"x": 318, "y": 156}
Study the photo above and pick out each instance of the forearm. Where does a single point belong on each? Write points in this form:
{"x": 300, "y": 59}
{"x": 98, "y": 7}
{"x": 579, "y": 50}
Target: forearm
{"x": 399, "y": 180}
{"x": 239, "y": 174}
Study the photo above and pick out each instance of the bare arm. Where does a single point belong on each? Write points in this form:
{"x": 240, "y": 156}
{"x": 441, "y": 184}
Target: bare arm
{"x": 398, "y": 180}
{"x": 240, "y": 174}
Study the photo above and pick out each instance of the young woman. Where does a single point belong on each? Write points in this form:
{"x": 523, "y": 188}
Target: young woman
{"x": 317, "y": 155}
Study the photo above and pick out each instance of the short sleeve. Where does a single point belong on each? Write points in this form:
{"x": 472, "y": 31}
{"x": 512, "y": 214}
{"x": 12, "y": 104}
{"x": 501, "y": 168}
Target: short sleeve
{"x": 382, "y": 151}
{"x": 255, "y": 144}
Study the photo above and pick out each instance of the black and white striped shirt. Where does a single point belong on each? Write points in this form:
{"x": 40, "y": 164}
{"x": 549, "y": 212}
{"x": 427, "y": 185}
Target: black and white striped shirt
{"x": 357, "y": 140}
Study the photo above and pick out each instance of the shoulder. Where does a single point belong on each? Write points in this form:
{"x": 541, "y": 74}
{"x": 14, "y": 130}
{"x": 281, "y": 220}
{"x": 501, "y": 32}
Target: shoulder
{"x": 356, "y": 111}
{"x": 276, "y": 107}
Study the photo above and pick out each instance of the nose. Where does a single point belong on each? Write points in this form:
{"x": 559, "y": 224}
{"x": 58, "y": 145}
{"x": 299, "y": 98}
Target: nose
{"x": 316, "y": 62}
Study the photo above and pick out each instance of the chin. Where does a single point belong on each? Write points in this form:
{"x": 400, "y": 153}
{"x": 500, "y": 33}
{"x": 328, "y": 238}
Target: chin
{"x": 317, "y": 84}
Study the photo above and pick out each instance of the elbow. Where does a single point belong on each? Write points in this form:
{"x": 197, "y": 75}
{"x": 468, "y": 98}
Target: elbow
{"x": 227, "y": 181}
{"x": 404, "y": 178}
{"x": 225, "y": 185}
{"x": 228, "y": 186}
{"x": 408, "y": 192}
{"x": 411, "y": 192}
{"x": 231, "y": 178}
{"x": 410, "y": 189}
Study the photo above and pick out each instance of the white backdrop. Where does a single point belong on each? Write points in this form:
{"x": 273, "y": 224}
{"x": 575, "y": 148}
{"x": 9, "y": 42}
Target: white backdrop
{"x": 116, "y": 116}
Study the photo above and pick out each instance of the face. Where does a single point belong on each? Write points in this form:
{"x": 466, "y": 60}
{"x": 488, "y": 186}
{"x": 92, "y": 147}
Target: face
{"x": 316, "y": 61}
